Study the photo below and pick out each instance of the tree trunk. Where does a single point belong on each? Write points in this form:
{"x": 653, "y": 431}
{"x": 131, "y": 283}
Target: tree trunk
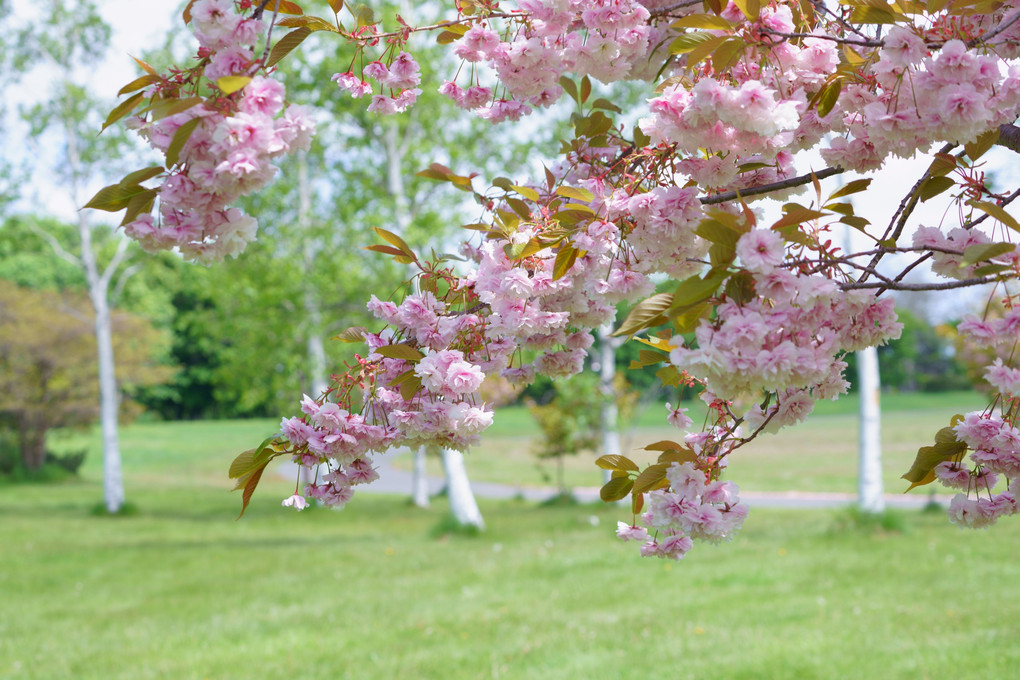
{"x": 869, "y": 476}
{"x": 608, "y": 411}
{"x": 458, "y": 488}
{"x": 419, "y": 479}
{"x": 32, "y": 441}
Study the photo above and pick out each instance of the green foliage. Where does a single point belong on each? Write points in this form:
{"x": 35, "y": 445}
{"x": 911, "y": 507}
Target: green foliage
{"x": 571, "y": 421}
{"x": 48, "y": 373}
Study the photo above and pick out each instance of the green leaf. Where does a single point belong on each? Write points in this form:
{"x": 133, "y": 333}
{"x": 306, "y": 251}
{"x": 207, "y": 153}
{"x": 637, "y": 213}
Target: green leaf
{"x": 526, "y": 192}
{"x": 231, "y": 84}
{"x": 314, "y": 23}
{"x": 575, "y": 193}
{"x": 138, "y": 84}
{"x": 695, "y": 289}
{"x": 689, "y": 41}
{"x": 616, "y": 462}
{"x": 352, "y": 334}
{"x": 797, "y": 214}
{"x": 123, "y": 109}
{"x": 645, "y": 314}
{"x": 996, "y": 212}
{"x": 665, "y": 445}
{"x": 982, "y": 144}
{"x": 706, "y": 21}
{"x": 606, "y": 105}
{"x": 854, "y": 187}
{"x": 565, "y": 259}
{"x": 400, "y": 351}
{"x": 251, "y": 459}
{"x": 681, "y": 455}
{"x": 616, "y": 489}
{"x": 651, "y": 478}
{"x": 981, "y": 252}
{"x": 139, "y": 176}
{"x": 287, "y": 44}
{"x": 394, "y": 240}
{"x": 874, "y": 15}
{"x": 410, "y": 388}
{"x": 169, "y": 107}
{"x": 828, "y": 97}
{"x": 181, "y": 138}
{"x": 933, "y": 186}
{"x": 569, "y": 87}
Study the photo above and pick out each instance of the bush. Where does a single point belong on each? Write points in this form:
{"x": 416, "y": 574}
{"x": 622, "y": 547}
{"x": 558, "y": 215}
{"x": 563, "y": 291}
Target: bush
{"x": 57, "y": 467}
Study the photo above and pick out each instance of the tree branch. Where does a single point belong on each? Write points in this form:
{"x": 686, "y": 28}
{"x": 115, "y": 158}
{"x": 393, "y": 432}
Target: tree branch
{"x": 1009, "y": 135}
{"x": 774, "y": 186}
{"x": 898, "y": 285}
{"x": 57, "y": 248}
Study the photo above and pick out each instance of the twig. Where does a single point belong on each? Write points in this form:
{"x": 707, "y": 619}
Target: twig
{"x": 863, "y": 42}
{"x": 949, "y": 285}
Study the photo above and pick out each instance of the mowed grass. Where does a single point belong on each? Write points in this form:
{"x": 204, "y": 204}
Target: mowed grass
{"x": 182, "y": 590}
{"x": 819, "y": 455}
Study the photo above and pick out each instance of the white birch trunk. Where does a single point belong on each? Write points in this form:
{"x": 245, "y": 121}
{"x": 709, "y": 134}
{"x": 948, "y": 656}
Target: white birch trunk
{"x": 99, "y": 294}
{"x": 419, "y": 479}
{"x": 458, "y": 488}
{"x": 608, "y": 411}
{"x": 869, "y": 461}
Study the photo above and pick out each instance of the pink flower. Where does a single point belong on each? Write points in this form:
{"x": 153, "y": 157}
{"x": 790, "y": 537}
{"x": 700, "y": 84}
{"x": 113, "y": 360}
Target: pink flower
{"x": 760, "y": 251}
{"x": 296, "y": 501}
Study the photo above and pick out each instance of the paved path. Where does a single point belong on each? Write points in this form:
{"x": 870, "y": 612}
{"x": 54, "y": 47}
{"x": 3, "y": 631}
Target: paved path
{"x": 396, "y": 481}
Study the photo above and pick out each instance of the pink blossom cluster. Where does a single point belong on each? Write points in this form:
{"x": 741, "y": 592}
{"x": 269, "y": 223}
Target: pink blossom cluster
{"x": 400, "y": 77}
{"x": 606, "y": 39}
{"x": 230, "y": 151}
{"x": 343, "y": 440}
{"x": 947, "y": 250}
{"x": 661, "y": 225}
{"x": 995, "y": 452}
{"x": 692, "y": 509}
{"x": 788, "y": 339}
{"x": 920, "y": 98}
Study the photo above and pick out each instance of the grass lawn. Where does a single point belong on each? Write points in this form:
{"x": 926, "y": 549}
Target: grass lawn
{"x": 182, "y": 590}
{"x": 819, "y": 455}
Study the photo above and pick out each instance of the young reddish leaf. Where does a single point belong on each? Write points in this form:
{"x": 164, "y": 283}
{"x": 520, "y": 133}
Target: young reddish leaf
{"x": 287, "y": 44}
{"x": 637, "y": 502}
{"x": 389, "y": 250}
{"x": 585, "y": 89}
{"x": 395, "y": 240}
{"x": 249, "y": 489}
{"x": 606, "y": 105}
{"x": 284, "y": 7}
{"x": 798, "y": 215}
{"x": 336, "y": 5}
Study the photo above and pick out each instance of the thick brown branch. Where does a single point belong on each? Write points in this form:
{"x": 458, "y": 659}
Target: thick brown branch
{"x": 769, "y": 188}
{"x": 1009, "y": 137}
{"x": 899, "y": 285}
